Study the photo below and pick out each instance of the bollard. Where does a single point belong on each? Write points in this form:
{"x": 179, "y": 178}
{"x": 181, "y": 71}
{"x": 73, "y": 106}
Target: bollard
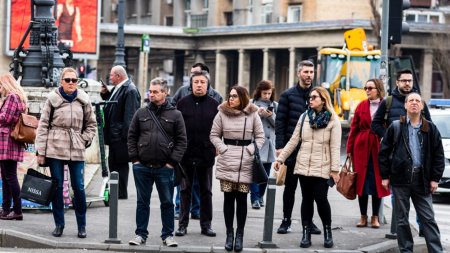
{"x": 393, "y": 232}
{"x": 268, "y": 216}
{"x": 113, "y": 207}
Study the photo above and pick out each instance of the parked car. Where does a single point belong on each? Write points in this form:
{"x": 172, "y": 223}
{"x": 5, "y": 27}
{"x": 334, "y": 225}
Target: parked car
{"x": 440, "y": 115}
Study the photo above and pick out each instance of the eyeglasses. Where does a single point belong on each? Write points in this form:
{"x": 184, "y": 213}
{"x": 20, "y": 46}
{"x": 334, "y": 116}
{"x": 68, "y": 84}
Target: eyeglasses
{"x": 233, "y": 96}
{"x": 313, "y": 97}
{"x": 369, "y": 88}
{"x": 69, "y": 80}
{"x": 405, "y": 80}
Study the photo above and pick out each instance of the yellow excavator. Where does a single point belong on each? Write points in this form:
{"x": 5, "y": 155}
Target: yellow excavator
{"x": 345, "y": 71}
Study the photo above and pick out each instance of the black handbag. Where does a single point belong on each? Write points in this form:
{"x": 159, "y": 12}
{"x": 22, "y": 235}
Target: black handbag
{"x": 259, "y": 175}
{"x": 38, "y": 188}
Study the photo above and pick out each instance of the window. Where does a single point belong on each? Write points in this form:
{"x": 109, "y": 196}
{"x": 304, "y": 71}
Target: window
{"x": 187, "y": 5}
{"x": 146, "y": 7}
{"x": 228, "y": 18}
{"x": 266, "y": 15}
{"x": 131, "y": 8}
{"x": 417, "y": 16}
{"x": 168, "y": 21}
{"x": 205, "y": 4}
{"x": 294, "y": 14}
{"x": 199, "y": 20}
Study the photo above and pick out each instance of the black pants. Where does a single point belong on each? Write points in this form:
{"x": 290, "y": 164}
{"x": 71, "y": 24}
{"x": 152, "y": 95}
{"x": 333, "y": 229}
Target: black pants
{"x": 290, "y": 185}
{"x": 123, "y": 170}
{"x": 11, "y": 188}
{"x": 315, "y": 189}
{"x": 363, "y": 200}
{"x": 204, "y": 176}
{"x": 423, "y": 204}
{"x": 240, "y": 199}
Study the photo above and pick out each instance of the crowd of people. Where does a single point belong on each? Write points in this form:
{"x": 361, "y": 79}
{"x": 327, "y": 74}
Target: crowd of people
{"x": 178, "y": 142}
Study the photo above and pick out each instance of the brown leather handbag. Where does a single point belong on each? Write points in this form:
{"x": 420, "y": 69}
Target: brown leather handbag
{"x": 347, "y": 182}
{"x": 25, "y": 129}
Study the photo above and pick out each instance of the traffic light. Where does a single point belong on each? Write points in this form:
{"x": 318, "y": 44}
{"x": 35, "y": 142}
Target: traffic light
{"x": 396, "y": 24}
{"x": 81, "y": 71}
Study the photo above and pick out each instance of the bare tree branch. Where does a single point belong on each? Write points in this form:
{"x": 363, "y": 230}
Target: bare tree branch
{"x": 375, "y": 22}
{"x": 441, "y": 59}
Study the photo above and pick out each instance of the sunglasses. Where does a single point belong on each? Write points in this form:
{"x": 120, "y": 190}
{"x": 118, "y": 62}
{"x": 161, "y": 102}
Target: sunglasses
{"x": 313, "y": 97}
{"x": 69, "y": 80}
{"x": 369, "y": 88}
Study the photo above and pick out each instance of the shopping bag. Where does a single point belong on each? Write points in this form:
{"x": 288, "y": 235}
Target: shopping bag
{"x": 280, "y": 175}
{"x": 347, "y": 182}
{"x": 38, "y": 188}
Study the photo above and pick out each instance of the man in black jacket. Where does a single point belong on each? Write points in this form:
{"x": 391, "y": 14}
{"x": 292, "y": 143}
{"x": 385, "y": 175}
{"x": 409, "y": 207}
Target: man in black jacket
{"x": 412, "y": 161}
{"x": 117, "y": 121}
{"x": 293, "y": 102}
{"x": 198, "y": 110}
{"x": 154, "y": 155}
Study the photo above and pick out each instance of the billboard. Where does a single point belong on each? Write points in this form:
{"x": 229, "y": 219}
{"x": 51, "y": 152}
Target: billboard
{"x": 77, "y": 21}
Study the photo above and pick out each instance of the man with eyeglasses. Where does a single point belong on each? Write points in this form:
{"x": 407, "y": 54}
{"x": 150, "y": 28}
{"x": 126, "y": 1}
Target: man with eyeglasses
{"x": 293, "y": 102}
{"x": 412, "y": 161}
{"x": 117, "y": 121}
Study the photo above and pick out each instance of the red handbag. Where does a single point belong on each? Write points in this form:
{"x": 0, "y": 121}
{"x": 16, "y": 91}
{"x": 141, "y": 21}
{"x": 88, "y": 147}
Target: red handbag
{"x": 347, "y": 182}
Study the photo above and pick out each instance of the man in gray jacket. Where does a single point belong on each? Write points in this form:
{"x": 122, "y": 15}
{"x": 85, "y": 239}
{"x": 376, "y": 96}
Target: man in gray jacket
{"x": 156, "y": 144}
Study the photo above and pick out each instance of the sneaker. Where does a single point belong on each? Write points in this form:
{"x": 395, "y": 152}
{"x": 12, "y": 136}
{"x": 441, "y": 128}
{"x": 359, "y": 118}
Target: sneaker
{"x": 285, "y": 226}
{"x": 255, "y": 204}
{"x": 177, "y": 216}
{"x": 261, "y": 202}
{"x": 138, "y": 240}
{"x": 170, "y": 242}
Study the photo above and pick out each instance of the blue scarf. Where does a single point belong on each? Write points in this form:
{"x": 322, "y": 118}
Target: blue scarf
{"x": 318, "y": 119}
{"x": 68, "y": 97}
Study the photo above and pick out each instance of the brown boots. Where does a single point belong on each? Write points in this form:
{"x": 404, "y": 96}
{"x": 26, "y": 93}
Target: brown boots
{"x": 363, "y": 222}
{"x": 373, "y": 222}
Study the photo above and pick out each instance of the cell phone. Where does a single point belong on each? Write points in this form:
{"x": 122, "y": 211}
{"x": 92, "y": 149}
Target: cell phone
{"x": 270, "y": 108}
{"x": 330, "y": 182}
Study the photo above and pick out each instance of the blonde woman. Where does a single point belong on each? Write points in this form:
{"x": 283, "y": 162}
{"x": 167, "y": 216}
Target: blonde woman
{"x": 11, "y": 152}
{"x": 64, "y": 141}
{"x": 317, "y": 160}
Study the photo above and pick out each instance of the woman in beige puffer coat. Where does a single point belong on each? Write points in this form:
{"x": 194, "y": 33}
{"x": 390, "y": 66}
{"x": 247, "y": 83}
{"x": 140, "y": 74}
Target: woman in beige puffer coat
{"x": 317, "y": 161}
{"x": 239, "y": 124}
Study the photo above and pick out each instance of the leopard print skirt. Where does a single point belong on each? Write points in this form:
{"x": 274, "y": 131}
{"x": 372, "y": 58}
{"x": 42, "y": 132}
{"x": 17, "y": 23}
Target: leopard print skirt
{"x": 227, "y": 186}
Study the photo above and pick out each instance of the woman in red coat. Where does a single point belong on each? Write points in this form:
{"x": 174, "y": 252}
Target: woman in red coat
{"x": 363, "y": 144}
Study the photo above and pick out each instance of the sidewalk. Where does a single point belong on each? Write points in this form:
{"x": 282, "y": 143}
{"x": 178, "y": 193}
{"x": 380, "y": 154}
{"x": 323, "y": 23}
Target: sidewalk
{"x": 35, "y": 230}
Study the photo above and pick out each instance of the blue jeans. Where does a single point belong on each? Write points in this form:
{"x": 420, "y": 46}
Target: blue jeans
{"x": 195, "y": 202}
{"x": 257, "y": 190}
{"x": 144, "y": 177}
{"x": 76, "y": 169}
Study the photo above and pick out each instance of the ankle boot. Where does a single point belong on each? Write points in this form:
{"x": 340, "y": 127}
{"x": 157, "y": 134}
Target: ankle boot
{"x": 58, "y": 231}
{"x": 374, "y": 222}
{"x": 230, "y": 239}
{"x": 327, "y": 237}
{"x": 362, "y": 221}
{"x": 239, "y": 241}
{"x": 306, "y": 239}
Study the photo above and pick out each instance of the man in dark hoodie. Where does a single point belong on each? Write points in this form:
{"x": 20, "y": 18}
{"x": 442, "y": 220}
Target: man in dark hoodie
{"x": 198, "y": 110}
{"x": 154, "y": 159}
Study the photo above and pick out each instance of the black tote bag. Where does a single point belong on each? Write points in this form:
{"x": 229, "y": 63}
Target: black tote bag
{"x": 38, "y": 188}
{"x": 259, "y": 175}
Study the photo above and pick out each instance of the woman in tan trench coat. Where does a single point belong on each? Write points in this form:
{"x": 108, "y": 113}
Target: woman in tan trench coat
{"x": 239, "y": 124}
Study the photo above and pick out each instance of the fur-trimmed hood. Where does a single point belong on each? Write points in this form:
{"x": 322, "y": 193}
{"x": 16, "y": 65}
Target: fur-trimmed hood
{"x": 56, "y": 98}
{"x": 227, "y": 110}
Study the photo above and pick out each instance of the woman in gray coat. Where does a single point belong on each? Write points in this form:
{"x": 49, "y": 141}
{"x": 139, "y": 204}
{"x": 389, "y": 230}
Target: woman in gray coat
{"x": 263, "y": 98}
{"x": 238, "y": 124}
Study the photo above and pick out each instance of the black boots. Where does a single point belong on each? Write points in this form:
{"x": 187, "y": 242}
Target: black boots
{"x": 230, "y": 240}
{"x": 327, "y": 237}
{"x": 239, "y": 242}
{"x": 58, "y": 231}
{"x": 306, "y": 239}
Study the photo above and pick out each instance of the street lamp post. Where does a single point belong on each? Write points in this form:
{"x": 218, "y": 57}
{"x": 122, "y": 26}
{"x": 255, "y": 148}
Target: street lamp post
{"x": 120, "y": 48}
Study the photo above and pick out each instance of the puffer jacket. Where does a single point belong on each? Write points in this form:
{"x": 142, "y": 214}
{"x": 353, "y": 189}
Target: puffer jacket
{"x": 66, "y": 138}
{"x": 234, "y": 163}
{"x": 319, "y": 152}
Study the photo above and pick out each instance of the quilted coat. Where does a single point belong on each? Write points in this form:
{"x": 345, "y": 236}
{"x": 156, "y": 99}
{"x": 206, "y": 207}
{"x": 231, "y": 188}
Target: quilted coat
{"x": 66, "y": 139}
{"x": 234, "y": 163}
{"x": 319, "y": 151}
{"x": 363, "y": 143}
{"x": 10, "y": 111}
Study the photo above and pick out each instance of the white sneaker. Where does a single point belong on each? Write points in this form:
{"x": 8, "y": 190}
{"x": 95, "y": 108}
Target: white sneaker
{"x": 170, "y": 242}
{"x": 138, "y": 240}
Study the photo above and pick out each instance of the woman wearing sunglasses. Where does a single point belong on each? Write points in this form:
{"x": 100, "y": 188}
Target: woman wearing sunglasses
{"x": 239, "y": 124}
{"x": 317, "y": 160}
{"x": 14, "y": 103}
{"x": 365, "y": 144}
{"x": 66, "y": 127}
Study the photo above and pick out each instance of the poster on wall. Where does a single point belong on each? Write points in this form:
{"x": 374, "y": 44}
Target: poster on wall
{"x": 77, "y": 22}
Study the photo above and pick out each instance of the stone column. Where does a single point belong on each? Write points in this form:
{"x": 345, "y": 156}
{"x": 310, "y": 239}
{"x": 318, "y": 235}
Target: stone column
{"x": 292, "y": 68}
{"x": 178, "y": 13}
{"x": 220, "y": 82}
{"x": 142, "y": 75}
{"x": 426, "y": 74}
{"x": 244, "y": 69}
{"x": 265, "y": 63}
